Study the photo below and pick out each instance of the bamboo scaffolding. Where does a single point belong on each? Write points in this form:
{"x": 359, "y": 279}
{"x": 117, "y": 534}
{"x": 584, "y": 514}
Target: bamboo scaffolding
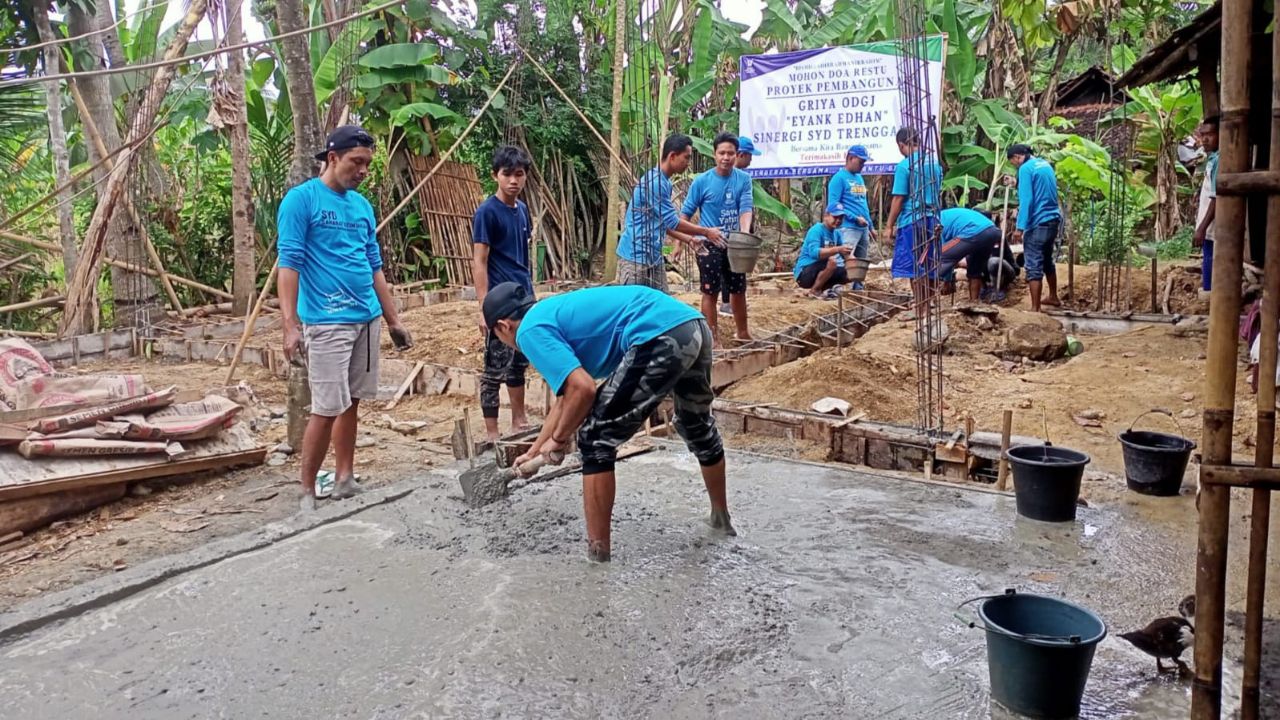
{"x": 109, "y": 260}
{"x": 1220, "y": 367}
{"x": 1264, "y": 454}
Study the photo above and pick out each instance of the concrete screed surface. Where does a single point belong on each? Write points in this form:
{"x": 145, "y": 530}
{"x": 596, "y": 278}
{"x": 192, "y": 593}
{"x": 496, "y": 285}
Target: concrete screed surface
{"x": 836, "y": 601}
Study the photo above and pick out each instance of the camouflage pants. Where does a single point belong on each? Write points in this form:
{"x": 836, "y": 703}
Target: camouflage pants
{"x": 502, "y": 363}
{"x": 632, "y": 273}
{"x": 677, "y": 363}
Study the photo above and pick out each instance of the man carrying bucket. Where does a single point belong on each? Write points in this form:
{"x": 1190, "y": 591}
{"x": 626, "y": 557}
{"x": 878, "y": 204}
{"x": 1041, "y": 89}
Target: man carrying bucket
{"x": 651, "y": 217}
{"x": 847, "y": 189}
{"x": 722, "y": 198}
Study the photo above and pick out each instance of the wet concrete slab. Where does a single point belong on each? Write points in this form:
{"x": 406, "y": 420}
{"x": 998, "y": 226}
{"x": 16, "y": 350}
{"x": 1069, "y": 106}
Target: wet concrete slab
{"x": 837, "y": 600}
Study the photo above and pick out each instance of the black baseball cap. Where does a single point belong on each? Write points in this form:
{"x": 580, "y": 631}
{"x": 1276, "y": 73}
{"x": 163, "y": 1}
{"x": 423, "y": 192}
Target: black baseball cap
{"x": 505, "y": 301}
{"x": 345, "y": 137}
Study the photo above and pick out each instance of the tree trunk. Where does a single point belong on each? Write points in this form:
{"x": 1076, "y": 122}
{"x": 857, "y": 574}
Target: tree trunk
{"x": 110, "y": 40}
{"x": 80, "y": 286}
{"x": 613, "y": 214}
{"x": 1050, "y": 95}
{"x": 1168, "y": 217}
{"x": 231, "y": 107}
{"x": 57, "y": 140}
{"x": 296, "y": 56}
{"x": 131, "y": 292}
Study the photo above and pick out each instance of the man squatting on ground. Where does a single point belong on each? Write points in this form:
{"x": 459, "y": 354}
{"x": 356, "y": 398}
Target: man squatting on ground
{"x": 648, "y": 346}
{"x": 651, "y": 217}
{"x": 1038, "y": 220}
{"x": 820, "y": 265}
{"x": 333, "y": 296}
{"x": 500, "y": 234}
{"x": 722, "y": 198}
{"x": 917, "y": 177}
{"x": 847, "y": 189}
{"x": 970, "y": 236}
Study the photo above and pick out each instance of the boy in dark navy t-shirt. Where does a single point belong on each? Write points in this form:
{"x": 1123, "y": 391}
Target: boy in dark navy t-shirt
{"x": 500, "y": 233}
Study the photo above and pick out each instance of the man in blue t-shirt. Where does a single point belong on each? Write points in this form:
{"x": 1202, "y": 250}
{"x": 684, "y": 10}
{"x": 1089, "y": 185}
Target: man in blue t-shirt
{"x": 333, "y": 295}
{"x": 651, "y": 217}
{"x": 1038, "y": 221}
{"x": 645, "y": 346}
{"x": 971, "y": 236}
{"x": 847, "y": 189}
{"x": 820, "y": 265}
{"x": 500, "y": 233}
{"x": 913, "y": 212}
{"x": 746, "y": 152}
{"x": 722, "y": 198}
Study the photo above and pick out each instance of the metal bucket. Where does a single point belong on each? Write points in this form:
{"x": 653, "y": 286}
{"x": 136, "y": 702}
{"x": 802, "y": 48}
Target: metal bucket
{"x": 856, "y": 269}
{"x": 743, "y": 250}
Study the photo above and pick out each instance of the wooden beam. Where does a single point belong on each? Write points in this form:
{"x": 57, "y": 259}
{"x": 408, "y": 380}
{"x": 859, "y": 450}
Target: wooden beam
{"x": 1255, "y": 182}
{"x": 158, "y": 469}
{"x": 1245, "y": 476}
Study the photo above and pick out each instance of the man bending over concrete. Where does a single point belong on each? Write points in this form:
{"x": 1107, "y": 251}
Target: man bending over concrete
{"x": 970, "y": 236}
{"x": 648, "y": 346}
{"x": 333, "y": 293}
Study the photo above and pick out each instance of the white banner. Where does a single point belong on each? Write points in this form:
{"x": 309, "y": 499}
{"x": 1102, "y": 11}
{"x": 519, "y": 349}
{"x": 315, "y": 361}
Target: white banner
{"x": 804, "y": 109}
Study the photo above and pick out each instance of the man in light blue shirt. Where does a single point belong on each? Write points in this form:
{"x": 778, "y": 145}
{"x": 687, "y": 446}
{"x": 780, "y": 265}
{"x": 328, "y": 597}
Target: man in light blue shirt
{"x": 652, "y": 216}
{"x": 971, "y": 236}
{"x": 722, "y": 199}
{"x": 1207, "y": 209}
{"x": 913, "y": 212}
{"x": 334, "y": 294}
{"x": 746, "y": 151}
{"x": 645, "y": 346}
{"x": 820, "y": 265}
{"x": 1038, "y": 221}
{"x": 847, "y": 189}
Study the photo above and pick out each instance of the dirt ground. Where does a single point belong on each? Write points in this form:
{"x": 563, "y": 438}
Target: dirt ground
{"x": 1080, "y": 402}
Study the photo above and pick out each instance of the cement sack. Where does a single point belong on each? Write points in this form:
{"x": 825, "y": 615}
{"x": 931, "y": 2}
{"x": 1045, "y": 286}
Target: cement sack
{"x": 57, "y": 389}
{"x": 182, "y": 421}
{"x": 18, "y": 362}
{"x": 90, "y": 416}
{"x": 81, "y": 447}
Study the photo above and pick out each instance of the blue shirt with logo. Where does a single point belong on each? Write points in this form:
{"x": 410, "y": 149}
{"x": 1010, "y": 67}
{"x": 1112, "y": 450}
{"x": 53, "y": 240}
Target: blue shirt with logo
{"x": 918, "y": 173}
{"x": 848, "y": 189}
{"x": 1037, "y": 194}
{"x": 719, "y": 200}
{"x": 817, "y": 238}
{"x": 649, "y": 217}
{"x": 593, "y": 328}
{"x": 328, "y": 238}
{"x": 962, "y": 223}
{"x": 506, "y": 231}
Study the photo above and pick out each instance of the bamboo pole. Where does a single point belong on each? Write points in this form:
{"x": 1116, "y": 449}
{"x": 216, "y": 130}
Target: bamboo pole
{"x": 51, "y": 247}
{"x": 38, "y": 303}
{"x": 250, "y": 322}
{"x": 1006, "y": 429}
{"x": 1264, "y": 454}
{"x": 1220, "y": 367}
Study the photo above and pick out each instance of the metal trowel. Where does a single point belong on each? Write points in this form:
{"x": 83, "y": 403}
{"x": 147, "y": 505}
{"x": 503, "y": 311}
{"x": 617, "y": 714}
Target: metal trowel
{"x": 488, "y": 483}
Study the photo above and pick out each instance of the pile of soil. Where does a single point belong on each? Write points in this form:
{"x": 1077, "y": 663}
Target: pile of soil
{"x": 1115, "y": 379}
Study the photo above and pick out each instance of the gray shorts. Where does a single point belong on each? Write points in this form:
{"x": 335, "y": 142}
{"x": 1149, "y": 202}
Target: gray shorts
{"x": 632, "y": 273}
{"x": 342, "y": 363}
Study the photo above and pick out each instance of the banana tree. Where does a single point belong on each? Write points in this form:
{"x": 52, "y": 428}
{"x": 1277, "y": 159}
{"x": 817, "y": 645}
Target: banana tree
{"x": 1163, "y": 118}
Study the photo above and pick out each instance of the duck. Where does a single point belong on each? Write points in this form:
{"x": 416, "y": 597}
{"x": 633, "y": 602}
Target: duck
{"x": 1187, "y": 608}
{"x": 1164, "y": 639}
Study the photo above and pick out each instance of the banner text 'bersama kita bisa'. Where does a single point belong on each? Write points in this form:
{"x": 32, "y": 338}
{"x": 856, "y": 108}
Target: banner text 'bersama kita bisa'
{"x": 804, "y": 109}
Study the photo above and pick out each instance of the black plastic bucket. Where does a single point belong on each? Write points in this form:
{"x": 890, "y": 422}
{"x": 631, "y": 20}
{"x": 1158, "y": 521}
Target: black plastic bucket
{"x": 1154, "y": 462}
{"x": 1039, "y": 652}
{"x": 1046, "y": 481}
